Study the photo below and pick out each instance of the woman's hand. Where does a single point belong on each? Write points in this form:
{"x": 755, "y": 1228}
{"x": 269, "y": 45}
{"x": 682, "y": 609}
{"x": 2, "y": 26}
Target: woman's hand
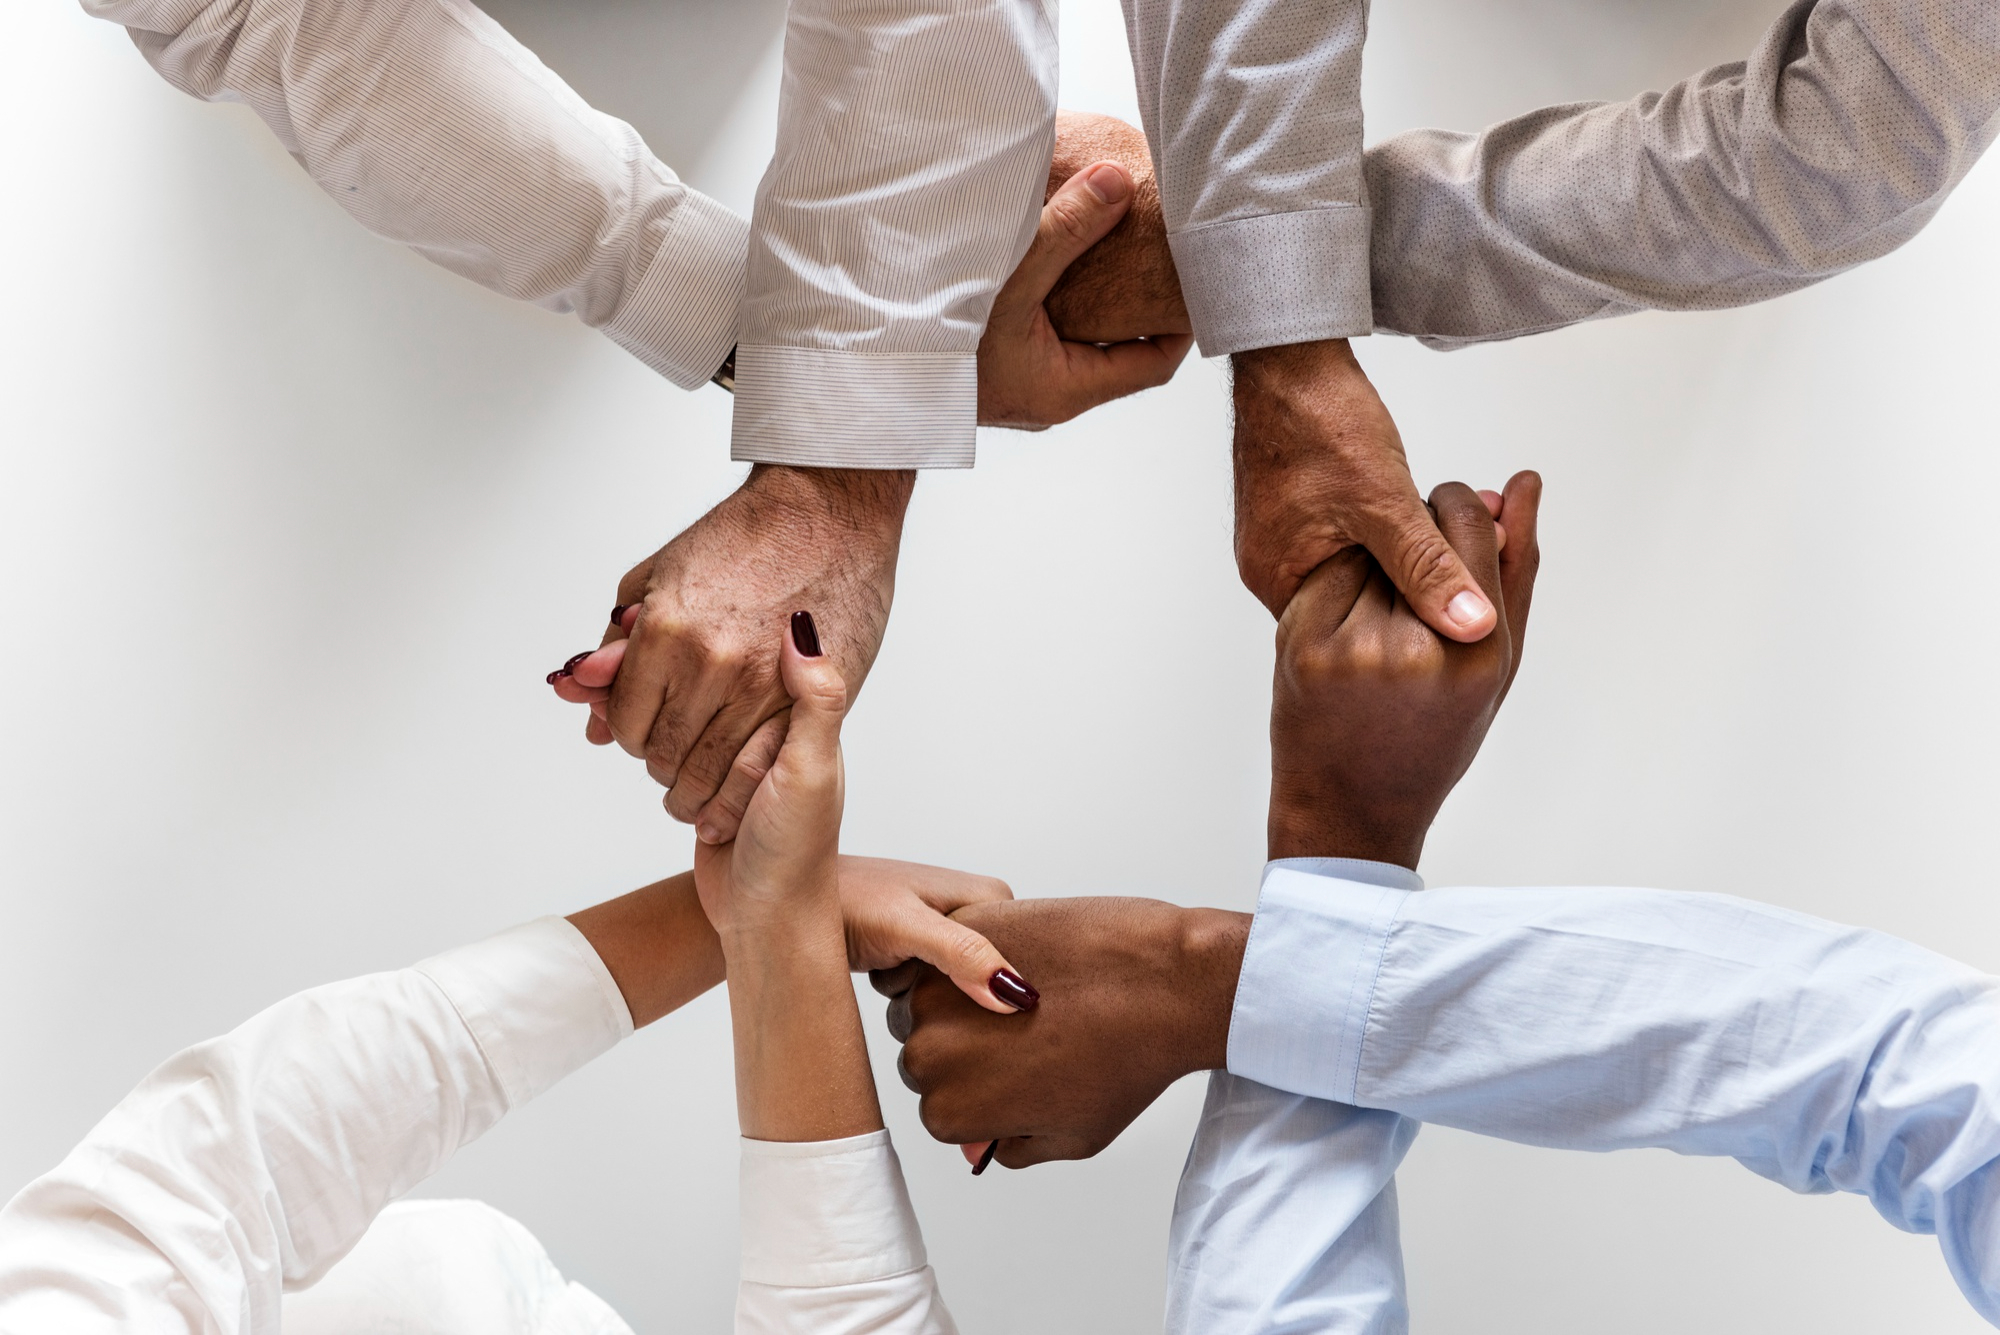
{"x": 895, "y": 912}
{"x": 782, "y": 869}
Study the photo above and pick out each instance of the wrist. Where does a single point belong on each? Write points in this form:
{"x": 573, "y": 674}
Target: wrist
{"x": 1207, "y": 965}
{"x": 1305, "y": 827}
{"x": 857, "y": 499}
{"x": 1290, "y": 369}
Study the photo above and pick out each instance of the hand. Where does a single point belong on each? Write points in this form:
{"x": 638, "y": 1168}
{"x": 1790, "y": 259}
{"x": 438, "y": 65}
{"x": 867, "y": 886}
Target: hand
{"x": 895, "y": 912}
{"x": 1374, "y": 716}
{"x": 1031, "y": 378}
{"x": 1125, "y": 286}
{"x": 782, "y": 869}
{"x": 686, "y": 676}
{"x": 1135, "y": 995}
{"x": 773, "y": 896}
{"x": 1319, "y": 468}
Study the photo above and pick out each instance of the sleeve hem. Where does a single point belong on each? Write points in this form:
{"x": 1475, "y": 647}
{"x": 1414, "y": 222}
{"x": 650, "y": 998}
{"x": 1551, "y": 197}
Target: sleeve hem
{"x": 829, "y": 408}
{"x": 681, "y": 320}
{"x": 1281, "y": 278}
{"x": 827, "y": 1213}
{"x": 1308, "y": 979}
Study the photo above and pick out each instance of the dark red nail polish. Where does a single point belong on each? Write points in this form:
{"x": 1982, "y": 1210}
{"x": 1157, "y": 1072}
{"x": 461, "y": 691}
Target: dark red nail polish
{"x": 557, "y": 675}
{"x": 618, "y": 614}
{"x": 1013, "y": 989}
{"x": 992, "y": 1147}
{"x": 570, "y": 666}
{"x": 805, "y": 634}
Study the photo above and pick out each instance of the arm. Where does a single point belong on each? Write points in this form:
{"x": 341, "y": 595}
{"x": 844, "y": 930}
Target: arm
{"x": 830, "y": 1241}
{"x": 432, "y": 127}
{"x": 251, "y": 1163}
{"x": 1834, "y": 144}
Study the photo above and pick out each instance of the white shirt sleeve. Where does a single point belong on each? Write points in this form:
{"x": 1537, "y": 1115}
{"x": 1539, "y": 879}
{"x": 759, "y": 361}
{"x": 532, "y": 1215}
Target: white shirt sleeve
{"x": 1253, "y": 110}
{"x": 913, "y": 149}
{"x": 251, "y": 1163}
{"x": 1824, "y": 1057}
{"x": 1286, "y": 1217}
{"x": 433, "y": 127}
{"x": 831, "y": 1243}
{"x": 1836, "y": 142}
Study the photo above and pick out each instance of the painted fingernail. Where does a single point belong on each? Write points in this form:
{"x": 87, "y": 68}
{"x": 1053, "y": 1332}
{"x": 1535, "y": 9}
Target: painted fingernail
{"x": 574, "y": 659}
{"x": 1468, "y": 609}
{"x": 805, "y": 634}
{"x": 556, "y": 676}
{"x": 618, "y": 613}
{"x": 1110, "y": 184}
{"x": 992, "y": 1147}
{"x": 1013, "y": 989}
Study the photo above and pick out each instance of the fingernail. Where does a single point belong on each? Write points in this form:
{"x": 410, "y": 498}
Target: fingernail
{"x": 1013, "y": 989}
{"x": 1468, "y": 609}
{"x": 618, "y": 614}
{"x": 556, "y": 676}
{"x": 574, "y": 659}
{"x": 805, "y": 634}
{"x": 708, "y": 834}
{"x": 992, "y": 1147}
{"x": 1110, "y": 184}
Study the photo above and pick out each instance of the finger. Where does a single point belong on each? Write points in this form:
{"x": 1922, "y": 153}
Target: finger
{"x": 716, "y": 823}
{"x": 966, "y": 957}
{"x": 896, "y": 982}
{"x": 1424, "y": 567}
{"x": 979, "y": 1154}
{"x": 710, "y": 760}
{"x": 1095, "y": 375}
{"x": 1325, "y": 599}
{"x": 597, "y": 732}
{"x": 1521, "y": 558}
{"x": 600, "y": 668}
{"x": 669, "y": 687}
{"x": 1077, "y": 217}
{"x": 819, "y": 696}
{"x": 1463, "y": 519}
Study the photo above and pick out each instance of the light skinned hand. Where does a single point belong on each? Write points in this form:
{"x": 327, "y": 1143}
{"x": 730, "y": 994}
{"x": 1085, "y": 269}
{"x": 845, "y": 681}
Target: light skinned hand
{"x": 1029, "y": 376}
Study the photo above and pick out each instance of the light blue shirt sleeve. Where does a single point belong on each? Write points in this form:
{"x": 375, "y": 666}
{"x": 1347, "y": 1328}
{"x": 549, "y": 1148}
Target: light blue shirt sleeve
{"x": 1824, "y": 1057}
{"x": 1286, "y": 1217}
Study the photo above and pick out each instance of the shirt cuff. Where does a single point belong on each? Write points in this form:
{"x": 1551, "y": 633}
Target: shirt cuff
{"x": 1282, "y": 278}
{"x": 537, "y": 1000}
{"x": 827, "y": 408}
{"x": 681, "y": 320}
{"x": 1309, "y": 972}
{"x": 821, "y": 1213}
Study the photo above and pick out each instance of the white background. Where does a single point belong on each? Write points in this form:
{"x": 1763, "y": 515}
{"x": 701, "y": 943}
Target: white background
{"x": 292, "y": 525}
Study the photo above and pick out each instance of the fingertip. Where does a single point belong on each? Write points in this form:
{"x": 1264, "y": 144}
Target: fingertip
{"x": 1469, "y": 616}
{"x": 1108, "y": 182}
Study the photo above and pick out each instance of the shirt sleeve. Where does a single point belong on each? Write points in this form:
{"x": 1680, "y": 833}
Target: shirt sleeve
{"x": 253, "y": 1162}
{"x": 913, "y": 149}
{"x": 831, "y": 1242}
{"x": 1832, "y": 145}
{"x": 1824, "y": 1057}
{"x": 1286, "y": 1217}
{"x": 433, "y": 127}
{"x": 1253, "y": 109}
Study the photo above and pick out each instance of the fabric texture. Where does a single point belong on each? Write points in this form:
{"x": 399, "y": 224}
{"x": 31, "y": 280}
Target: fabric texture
{"x": 1253, "y": 111}
{"x": 1824, "y": 1057}
{"x": 1833, "y": 144}
{"x": 913, "y": 147}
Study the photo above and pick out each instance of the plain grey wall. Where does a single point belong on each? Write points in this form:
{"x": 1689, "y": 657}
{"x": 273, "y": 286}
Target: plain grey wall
{"x": 292, "y": 524}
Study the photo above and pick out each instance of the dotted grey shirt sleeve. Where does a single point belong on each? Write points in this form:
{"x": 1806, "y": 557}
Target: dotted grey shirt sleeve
{"x": 1832, "y": 145}
{"x": 1253, "y": 108}
{"x": 433, "y": 127}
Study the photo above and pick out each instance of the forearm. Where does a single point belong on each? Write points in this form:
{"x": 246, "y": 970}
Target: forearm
{"x": 875, "y": 257}
{"x": 1253, "y": 108}
{"x": 1837, "y": 141}
{"x": 432, "y": 127}
{"x": 657, "y": 945}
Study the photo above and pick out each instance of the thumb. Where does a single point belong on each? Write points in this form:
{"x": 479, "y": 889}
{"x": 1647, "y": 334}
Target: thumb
{"x": 966, "y": 957}
{"x": 819, "y": 695}
{"x": 1077, "y": 217}
{"x": 1403, "y": 537}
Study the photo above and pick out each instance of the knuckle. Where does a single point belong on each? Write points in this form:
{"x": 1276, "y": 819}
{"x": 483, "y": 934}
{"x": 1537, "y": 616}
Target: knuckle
{"x": 1067, "y": 218}
{"x": 1426, "y": 558}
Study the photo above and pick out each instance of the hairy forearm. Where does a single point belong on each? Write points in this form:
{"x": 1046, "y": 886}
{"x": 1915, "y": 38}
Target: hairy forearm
{"x": 801, "y": 1061}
